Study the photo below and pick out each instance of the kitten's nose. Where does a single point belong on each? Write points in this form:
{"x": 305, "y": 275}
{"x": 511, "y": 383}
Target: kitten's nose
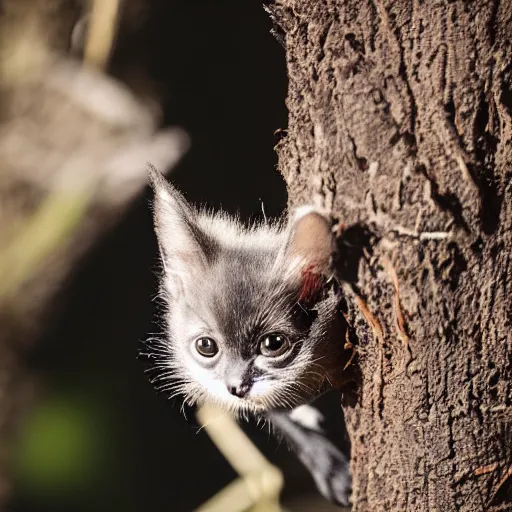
{"x": 238, "y": 389}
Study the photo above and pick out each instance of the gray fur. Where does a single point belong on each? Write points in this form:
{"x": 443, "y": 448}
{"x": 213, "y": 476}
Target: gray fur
{"x": 328, "y": 465}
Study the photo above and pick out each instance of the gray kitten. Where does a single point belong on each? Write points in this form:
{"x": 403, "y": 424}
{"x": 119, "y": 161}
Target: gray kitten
{"x": 252, "y": 321}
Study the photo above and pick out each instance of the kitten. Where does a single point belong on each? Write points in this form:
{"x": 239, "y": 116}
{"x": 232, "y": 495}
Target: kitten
{"x": 252, "y": 320}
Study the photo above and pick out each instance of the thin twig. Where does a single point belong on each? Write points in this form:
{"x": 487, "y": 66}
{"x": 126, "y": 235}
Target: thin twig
{"x": 505, "y": 477}
{"x": 400, "y": 320}
{"x": 260, "y": 483}
{"x": 49, "y": 227}
{"x": 486, "y": 469}
{"x": 101, "y": 33}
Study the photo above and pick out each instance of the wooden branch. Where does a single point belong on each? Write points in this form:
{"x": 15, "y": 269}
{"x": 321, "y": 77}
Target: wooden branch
{"x": 101, "y": 33}
{"x": 39, "y": 236}
{"x": 260, "y": 482}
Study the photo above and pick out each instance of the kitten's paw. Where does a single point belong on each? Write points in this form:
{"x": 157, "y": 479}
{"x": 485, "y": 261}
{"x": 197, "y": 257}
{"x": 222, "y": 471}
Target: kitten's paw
{"x": 332, "y": 476}
{"x": 328, "y": 464}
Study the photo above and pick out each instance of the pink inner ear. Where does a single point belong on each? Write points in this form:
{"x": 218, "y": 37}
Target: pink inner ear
{"x": 311, "y": 283}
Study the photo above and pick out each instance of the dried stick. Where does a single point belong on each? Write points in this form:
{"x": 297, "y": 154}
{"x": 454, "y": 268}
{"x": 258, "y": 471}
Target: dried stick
{"x": 101, "y": 33}
{"x": 260, "y": 483}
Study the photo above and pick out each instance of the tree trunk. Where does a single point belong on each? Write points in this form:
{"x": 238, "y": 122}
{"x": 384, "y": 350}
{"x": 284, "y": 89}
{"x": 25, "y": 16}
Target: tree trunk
{"x": 400, "y": 123}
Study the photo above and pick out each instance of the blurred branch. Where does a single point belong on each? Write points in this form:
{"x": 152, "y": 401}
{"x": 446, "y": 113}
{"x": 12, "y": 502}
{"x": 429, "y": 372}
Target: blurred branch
{"x": 74, "y": 145}
{"x": 260, "y": 482}
{"x": 39, "y": 236}
{"x": 81, "y": 144}
{"x": 102, "y": 29}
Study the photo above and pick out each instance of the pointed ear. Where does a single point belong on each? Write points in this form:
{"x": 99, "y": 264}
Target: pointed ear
{"x": 184, "y": 248}
{"x": 311, "y": 239}
{"x": 309, "y": 250}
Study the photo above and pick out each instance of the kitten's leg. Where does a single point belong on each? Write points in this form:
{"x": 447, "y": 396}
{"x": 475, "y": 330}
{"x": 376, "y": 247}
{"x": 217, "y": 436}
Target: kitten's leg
{"x": 328, "y": 465}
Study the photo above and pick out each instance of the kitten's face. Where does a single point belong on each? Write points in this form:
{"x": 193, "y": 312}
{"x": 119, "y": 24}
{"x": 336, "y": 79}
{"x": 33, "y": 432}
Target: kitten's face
{"x": 240, "y": 337}
{"x": 250, "y": 327}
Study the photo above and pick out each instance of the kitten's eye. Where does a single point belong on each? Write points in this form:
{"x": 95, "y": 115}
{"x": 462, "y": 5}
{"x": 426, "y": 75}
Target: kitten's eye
{"x": 206, "y": 347}
{"x": 274, "y": 345}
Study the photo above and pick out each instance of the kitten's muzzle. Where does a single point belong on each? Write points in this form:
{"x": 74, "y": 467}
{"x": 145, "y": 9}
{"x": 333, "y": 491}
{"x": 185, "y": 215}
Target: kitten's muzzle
{"x": 237, "y": 379}
{"x": 238, "y": 389}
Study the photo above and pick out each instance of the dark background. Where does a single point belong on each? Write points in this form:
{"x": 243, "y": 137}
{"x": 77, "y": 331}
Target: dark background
{"x": 101, "y": 438}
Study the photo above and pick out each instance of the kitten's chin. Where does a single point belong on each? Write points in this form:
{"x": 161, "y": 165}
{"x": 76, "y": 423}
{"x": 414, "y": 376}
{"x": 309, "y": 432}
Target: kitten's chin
{"x": 244, "y": 407}
{"x": 258, "y": 402}
{"x": 259, "y": 407}
{"x": 241, "y": 408}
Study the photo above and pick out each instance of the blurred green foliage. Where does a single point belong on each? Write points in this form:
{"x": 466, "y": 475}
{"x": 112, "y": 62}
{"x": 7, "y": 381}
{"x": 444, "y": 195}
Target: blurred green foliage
{"x": 61, "y": 447}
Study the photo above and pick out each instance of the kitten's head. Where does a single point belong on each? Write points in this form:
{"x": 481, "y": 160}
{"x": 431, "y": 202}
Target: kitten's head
{"x": 252, "y": 320}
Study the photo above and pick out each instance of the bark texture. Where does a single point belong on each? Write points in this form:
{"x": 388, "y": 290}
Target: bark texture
{"x": 400, "y": 124}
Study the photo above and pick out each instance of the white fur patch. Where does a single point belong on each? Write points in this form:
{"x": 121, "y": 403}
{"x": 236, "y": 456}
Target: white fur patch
{"x": 308, "y": 417}
{"x": 260, "y": 388}
{"x": 302, "y": 211}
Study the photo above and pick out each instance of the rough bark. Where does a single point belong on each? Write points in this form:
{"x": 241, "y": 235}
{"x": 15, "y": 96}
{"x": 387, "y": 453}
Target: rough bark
{"x": 400, "y": 123}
